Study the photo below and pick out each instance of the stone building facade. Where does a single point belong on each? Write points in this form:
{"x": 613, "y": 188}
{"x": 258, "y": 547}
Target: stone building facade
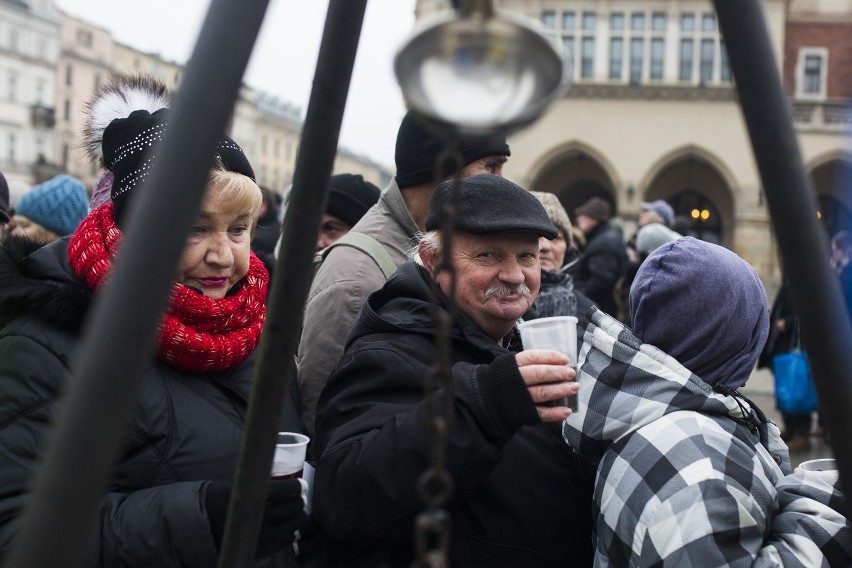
{"x": 652, "y": 113}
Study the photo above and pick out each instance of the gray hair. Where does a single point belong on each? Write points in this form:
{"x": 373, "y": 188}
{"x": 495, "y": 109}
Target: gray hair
{"x": 431, "y": 240}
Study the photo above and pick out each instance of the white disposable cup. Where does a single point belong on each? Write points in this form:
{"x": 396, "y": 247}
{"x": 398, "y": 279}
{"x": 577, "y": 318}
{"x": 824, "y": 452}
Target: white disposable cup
{"x": 824, "y": 467}
{"x": 558, "y": 333}
{"x": 289, "y": 459}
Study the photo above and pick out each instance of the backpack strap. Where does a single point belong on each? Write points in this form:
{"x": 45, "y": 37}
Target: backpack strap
{"x": 365, "y": 243}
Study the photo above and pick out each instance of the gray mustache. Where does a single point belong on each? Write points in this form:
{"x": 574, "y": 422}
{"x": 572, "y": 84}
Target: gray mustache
{"x": 521, "y": 290}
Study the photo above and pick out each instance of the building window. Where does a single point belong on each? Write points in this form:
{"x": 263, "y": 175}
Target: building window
{"x": 39, "y": 143}
{"x": 97, "y": 81}
{"x": 569, "y": 21}
{"x": 568, "y": 55}
{"x": 811, "y": 76}
{"x": 548, "y": 19}
{"x": 657, "y": 55}
{"x": 725, "y": 72}
{"x": 587, "y": 63}
{"x": 13, "y": 40}
{"x": 40, "y": 92}
{"x": 686, "y": 56}
{"x": 616, "y": 21}
{"x": 637, "y": 22}
{"x": 637, "y": 47}
{"x": 708, "y": 22}
{"x": 687, "y": 23}
{"x": 67, "y": 74}
{"x": 658, "y": 22}
{"x": 707, "y": 48}
{"x": 66, "y": 110}
{"x": 65, "y": 156}
{"x": 589, "y": 20}
{"x": 12, "y": 144}
{"x": 616, "y": 57}
{"x": 84, "y": 38}
{"x": 13, "y": 87}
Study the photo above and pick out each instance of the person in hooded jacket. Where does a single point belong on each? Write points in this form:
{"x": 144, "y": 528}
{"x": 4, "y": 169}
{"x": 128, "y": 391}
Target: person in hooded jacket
{"x": 168, "y": 496}
{"x": 521, "y": 497}
{"x": 690, "y": 473}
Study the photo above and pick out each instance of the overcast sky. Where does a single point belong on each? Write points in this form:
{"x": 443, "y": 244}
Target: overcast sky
{"x": 284, "y": 56}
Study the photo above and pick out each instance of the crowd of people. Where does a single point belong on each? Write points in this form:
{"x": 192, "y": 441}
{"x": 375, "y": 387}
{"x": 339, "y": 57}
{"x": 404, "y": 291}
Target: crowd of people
{"x": 664, "y": 462}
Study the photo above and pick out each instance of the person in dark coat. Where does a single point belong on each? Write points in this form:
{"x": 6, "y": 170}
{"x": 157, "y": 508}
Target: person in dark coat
{"x": 841, "y": 256}
{"x": 168, "y": 495}
{"x": 603, "y": 261}
{"x": 4, "y": 206}
{"x": 519, "y": 499}
{"x": 783, "y": 325}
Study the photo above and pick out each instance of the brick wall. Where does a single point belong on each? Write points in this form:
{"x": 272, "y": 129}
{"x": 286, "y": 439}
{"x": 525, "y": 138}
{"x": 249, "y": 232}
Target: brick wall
{"x": 837, "y": 38}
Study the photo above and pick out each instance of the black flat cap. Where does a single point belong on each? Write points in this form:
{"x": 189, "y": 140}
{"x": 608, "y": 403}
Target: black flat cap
{"x": 491, "y": 205}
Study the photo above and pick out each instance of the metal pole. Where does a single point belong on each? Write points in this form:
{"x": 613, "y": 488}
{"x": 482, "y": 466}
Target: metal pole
{"x": 119, "y": 338}
{"x": 803, "y": 246}
{"x": 292, "y": 278}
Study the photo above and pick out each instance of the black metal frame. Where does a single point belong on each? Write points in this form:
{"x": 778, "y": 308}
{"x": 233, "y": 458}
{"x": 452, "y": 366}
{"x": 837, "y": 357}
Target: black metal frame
{"x": 802, "y": 244}
{"x": 119, "y": 339}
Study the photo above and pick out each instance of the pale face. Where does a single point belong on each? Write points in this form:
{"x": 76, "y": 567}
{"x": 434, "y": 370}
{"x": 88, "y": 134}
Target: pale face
{"x": 497, "y": 278}
{"x": 552, "y": 253}
{"x": 331, "y": 229}
{"x": 21, "y": 226}
{"x": 586, "y": 224}
{"x": 487, "y": 165}
{"x": 646, "y": 217}
{"x": 216, "y": 255}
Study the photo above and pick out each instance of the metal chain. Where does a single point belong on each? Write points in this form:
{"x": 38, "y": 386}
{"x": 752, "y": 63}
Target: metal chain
{"x": 432, "y": 527}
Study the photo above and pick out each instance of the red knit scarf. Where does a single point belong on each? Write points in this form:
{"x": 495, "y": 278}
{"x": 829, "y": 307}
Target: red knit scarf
{"x": 198, "y": 334}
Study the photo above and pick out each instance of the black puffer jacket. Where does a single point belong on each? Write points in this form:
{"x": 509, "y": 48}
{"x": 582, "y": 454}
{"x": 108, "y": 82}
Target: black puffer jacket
{"x": 521, "y": 496}
{"x": 185, "y": 429}
{"x": 601, "y": 265}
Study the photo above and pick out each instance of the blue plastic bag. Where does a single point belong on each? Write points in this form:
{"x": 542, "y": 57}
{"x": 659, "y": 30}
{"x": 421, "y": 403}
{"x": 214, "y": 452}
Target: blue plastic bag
{"x": 794, "y": 389}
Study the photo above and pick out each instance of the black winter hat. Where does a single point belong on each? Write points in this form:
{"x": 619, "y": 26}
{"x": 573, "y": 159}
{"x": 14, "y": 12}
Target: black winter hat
{"x": 130, "y": 147}
{"x": 417, "y": 150}
{"x": 350, "y": 197}
{"x": 491, "y": 205}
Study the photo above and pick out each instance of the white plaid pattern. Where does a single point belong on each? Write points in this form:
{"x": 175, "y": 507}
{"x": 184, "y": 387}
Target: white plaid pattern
{"x": 688, "y": 476}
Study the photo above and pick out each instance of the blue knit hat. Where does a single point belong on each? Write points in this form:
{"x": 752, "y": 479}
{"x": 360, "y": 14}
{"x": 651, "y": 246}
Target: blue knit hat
{"x": 59, "y": 204}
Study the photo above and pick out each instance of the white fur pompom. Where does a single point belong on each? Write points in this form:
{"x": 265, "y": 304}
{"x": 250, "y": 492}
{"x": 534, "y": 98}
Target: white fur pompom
{"x": 117, "y": 99}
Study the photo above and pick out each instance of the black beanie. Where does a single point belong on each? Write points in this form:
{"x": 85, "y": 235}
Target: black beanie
{"x": 417, "y": 150}
{"x": 350, "y": 197}
{"x": 130, "y": 146}
{"x": 491, "y": 205}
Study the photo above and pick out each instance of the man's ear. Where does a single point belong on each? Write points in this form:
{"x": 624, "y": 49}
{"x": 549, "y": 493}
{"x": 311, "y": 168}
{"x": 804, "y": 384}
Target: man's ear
{"x": 426, "y": 256}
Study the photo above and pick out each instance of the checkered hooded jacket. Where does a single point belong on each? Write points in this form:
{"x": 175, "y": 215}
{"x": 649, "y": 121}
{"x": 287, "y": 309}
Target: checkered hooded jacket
{"x": 689, "y": 476}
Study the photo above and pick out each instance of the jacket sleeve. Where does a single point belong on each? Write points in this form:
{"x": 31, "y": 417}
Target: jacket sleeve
{"x": 335, "y": 300}
{"x": 713, "y": 523}
{"x": 158, "y": 526}
{"x": 373, "y": 439}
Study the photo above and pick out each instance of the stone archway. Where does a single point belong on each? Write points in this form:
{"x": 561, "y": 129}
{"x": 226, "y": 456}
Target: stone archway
{"x": 575, "y": 175}
{"x": 699, "y": 194}
{"x": 832, "y": 182}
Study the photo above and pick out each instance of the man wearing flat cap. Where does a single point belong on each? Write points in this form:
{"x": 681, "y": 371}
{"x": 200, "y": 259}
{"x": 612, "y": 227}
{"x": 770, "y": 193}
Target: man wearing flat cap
{"x": 348, "y": 274}
{"x": 603, "y": 261}
{"x": 521, "y": 497}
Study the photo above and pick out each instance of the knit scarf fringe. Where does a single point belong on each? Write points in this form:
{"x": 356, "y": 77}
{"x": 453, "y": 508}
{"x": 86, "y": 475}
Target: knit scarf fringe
{"x": 198, "y": 334}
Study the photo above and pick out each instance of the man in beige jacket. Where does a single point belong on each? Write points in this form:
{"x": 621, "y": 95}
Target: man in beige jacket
{"x": 348, "y": 275}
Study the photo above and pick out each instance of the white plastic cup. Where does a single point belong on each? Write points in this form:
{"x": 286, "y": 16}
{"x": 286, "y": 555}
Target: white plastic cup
{"x": 289, "y": 459}
{"x": 558, "y": 333}
{"x": 825, "y": 468}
